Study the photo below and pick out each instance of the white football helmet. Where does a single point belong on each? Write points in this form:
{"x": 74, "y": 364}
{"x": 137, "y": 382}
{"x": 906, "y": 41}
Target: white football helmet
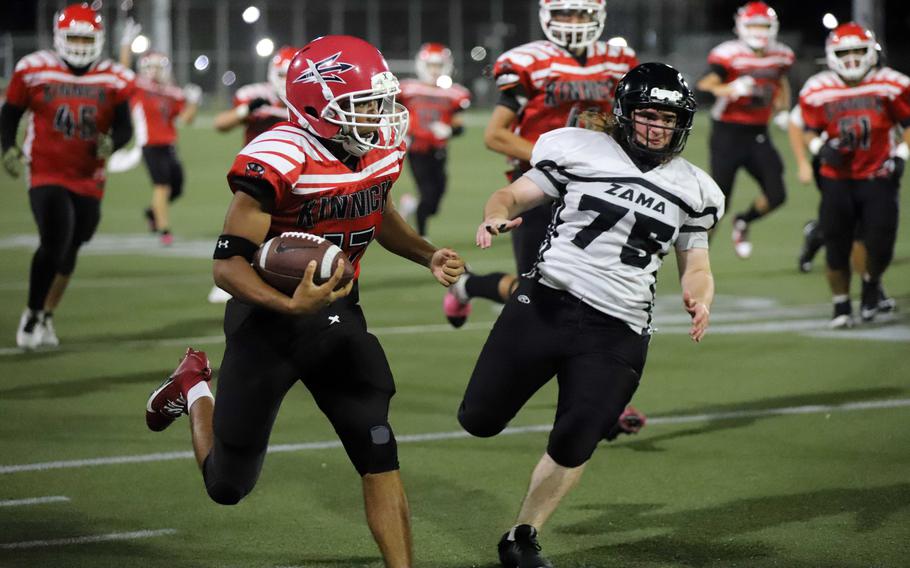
{"x": 573, "y": 35}
{"x": 757, "y": 14}
{"x": 850, "y": 51}
{"x": 78, "y": 34}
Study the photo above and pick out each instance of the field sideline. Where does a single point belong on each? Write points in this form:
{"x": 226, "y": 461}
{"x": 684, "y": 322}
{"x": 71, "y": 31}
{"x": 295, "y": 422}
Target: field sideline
{"x": 774, "y": 443}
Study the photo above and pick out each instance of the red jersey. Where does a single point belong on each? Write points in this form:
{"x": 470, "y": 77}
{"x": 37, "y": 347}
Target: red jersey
{"x": 860, "y": 116}
{"x": 553, "y": 82}
{"x": 67, "y": 113}
{"x": 263, "y": 117}
{"x": 427, "y": 104}
{"x": 315, "y": 192}
{"x": 155, "y": 108}
{"x": 733, "y": 59}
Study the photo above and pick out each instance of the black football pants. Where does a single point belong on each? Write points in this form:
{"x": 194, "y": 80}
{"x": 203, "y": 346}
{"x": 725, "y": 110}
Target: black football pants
{"x": 429, "y": 170}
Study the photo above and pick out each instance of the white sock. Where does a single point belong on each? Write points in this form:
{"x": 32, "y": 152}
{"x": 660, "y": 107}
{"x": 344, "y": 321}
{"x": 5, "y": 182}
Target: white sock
{"x": 840, "y": 298}
{"x": 197, "y": 391}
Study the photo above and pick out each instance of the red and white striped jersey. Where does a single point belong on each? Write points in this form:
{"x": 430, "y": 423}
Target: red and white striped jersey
{"x": 155, "y": 108}
{"x": 315, "y": 192}
{"x": 861, "y": 116}
{"x": 733, "y": 59}
{"x": 67, "y": 112}
{"x": 427, "y": 104}
{"x": 554, "y": 82}
{"x": 263, "y": 117}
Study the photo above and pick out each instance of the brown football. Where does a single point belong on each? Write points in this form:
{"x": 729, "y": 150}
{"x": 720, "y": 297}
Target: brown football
{"x": 281, "y": 261}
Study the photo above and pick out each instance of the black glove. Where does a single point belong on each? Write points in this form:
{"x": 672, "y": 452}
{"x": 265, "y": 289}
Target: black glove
{"x": 830, "y": 153}
{"x": 256, "y": 103}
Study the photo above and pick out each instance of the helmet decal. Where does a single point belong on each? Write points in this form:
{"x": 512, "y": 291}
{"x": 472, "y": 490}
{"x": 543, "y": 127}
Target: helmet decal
{"x": 327, "y": 69}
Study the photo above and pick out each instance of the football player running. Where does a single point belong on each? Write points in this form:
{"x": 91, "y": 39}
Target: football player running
{"x": 542, "y": 85}
{"x": 748, "y": 77}
{"x": 78, "y": 104}
{"x": 157, "y": 106}
{"x": 849, "y": 112}
{"x": 258, "y": 107}
{"x": 329, "y": 172}
{"x": 434, "y": 105}
{"x": 623, "y": 200}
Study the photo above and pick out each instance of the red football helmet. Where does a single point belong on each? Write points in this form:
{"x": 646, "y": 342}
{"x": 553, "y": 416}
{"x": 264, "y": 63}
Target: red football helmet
{"x": 756, "y": 24}
{"x": 278, "y": 69}
{"x": 434, "y": 61}
{"x": 851, "y": 51}
{"x": 78, "y": 34}
{"x": 340, "y": 88}
{"x": 155, "y": 66}
{"x": 573, "y": 35}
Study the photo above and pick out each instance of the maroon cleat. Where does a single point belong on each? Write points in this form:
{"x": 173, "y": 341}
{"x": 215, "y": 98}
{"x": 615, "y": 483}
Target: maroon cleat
{"x": 168, "y": 401}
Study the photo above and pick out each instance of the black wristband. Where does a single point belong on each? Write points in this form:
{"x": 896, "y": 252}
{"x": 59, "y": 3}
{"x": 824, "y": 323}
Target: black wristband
{"x": 458, "y": 130}
{"x": 232, "y": 245}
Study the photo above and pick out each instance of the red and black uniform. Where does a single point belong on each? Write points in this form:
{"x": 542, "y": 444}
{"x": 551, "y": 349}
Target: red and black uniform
{"x": 155, "y": 108}
{"x": 298, "y": 179}
{"x": 542, "y": 83}
{"x": 266, "y": 109}
{"x": 428, "y": 105}
{"x": 739, "y": 134}
{"x": 858, "y": 188}
{"x": 68, "y": 109}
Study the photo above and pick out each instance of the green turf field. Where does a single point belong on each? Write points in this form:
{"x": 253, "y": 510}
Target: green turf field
{"x": 772, "y": 443}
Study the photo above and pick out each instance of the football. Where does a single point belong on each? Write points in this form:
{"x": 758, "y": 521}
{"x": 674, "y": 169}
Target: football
{"x": 281, "y": 261}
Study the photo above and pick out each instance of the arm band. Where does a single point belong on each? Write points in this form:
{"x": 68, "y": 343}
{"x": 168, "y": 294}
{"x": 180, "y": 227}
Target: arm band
{"x": 458, "y": 130}
{"x": 232, "y": 245}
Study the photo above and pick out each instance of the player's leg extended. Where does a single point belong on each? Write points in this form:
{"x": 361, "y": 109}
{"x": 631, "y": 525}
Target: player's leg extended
{"x": 726, "y": 150}
{"x": 508, "y": 372}
{"x": 765, "y": 165}
{"x": 86, "y": 217}
{"x": 356, "y": 402}
{"x": 432, "y": 185}
{"x": 879, "y": 219}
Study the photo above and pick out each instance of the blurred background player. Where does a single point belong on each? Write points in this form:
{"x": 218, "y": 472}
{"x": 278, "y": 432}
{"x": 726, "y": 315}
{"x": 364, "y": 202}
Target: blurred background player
{"x": 748, "y": 76}
{"x": 79, "y": 114}
{"x": 346, "y": 142}
{"x": 850, "y": 111}
{"x": 258, "y": 107}
{"x": 156, "y": 106}
{"x": 434, "y": 103}
{"x": 541, "y": 83}
{"x": 584, "y": 314}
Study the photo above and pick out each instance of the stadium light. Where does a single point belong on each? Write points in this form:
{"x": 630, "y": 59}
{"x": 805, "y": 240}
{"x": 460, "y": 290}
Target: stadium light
{"x": 250, "y": 15}
{"x": 140, "y": 44}
{"x": 829, "y": 21}
{"x": 265, "y": 47}
{"x": 478, "y": 53}
{"x": 444, "y": 82}
{"x": 201, "y": 63}
{"x": 618, "y": 41}
{"x": 229, "y": 78}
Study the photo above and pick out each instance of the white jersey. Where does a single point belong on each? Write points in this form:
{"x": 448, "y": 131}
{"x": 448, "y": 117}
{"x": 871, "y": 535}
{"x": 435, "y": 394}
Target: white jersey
{"x": 612, "y": 224}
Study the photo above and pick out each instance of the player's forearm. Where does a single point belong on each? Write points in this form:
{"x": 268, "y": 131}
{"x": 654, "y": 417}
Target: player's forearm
{"x": 502, "y": 205}
{"x": 783, "y": 96}
{"x": 227, "y": 120}
{"x": 10, "y": 115}
{"x": 506, "y": 142}
{"x": 712, "y": 83}
{"x": 235, "y": 276}
{"x": 400, "y": 239}
{"x": 188, "y": 115}
{"x": 699, "y": 282}
{"x": 797, "y": 144}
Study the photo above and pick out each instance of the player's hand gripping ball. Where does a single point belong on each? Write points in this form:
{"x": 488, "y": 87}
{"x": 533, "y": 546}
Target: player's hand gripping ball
{"x": 281, "y": 261}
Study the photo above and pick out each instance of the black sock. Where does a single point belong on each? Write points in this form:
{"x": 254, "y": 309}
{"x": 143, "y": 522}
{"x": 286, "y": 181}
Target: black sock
{"x": 750, "y": 215}
{"x": 484, "y": 286}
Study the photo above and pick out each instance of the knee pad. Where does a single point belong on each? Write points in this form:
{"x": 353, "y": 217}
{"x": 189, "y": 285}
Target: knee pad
{"x": 576, "y": 434}
{"x": 378, "y": 455}
{"x": 225, "y": 493}
{"x": 776, "y": 198}
{"x": 480, "y": 423}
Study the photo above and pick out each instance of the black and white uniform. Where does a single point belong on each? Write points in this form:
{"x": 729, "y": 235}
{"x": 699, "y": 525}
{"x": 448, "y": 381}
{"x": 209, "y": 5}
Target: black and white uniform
{"x": 584, "y": 312}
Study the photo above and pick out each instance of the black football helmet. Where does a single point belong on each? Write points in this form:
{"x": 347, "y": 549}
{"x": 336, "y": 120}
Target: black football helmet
{"x": 658, "y": 86}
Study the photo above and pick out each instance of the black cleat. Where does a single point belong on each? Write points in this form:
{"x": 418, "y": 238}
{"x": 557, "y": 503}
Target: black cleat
{"x": 518, "y": 548}
{"x": 843, "y": 316}
{"x": 886, "y": 304}
{"x": 812, "y": 243}
{"x": 869, "y": 301}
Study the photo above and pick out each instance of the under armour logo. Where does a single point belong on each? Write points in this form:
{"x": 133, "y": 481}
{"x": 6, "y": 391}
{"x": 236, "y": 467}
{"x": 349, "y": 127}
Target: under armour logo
{"x": 328, "y": 68}
{"x": 223, "y": 244}
{"x": 334, "y": 319}
{"x": 523, "y": 299}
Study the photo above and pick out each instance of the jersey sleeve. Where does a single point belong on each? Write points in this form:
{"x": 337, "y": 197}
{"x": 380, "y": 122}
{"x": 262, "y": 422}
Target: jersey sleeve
{"x": 462, "y": 101}
{"x": 266, "y": 162}
{"x": 16, "y": 92}
{"x": 548, "y": 161}
{"x": 813, "y": 115}
{"x": 899, "y": 106}
{"x": 511, "y": 73}
{"x": 694, "y": 231}
{"x": 719, "y": 63}
{"x": 127, "y": 89}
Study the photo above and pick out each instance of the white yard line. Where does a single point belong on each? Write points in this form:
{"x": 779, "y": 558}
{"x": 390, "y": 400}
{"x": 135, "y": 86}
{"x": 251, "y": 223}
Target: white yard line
{"x": 34, "y": 501}
{"x": 457, "y": 435}
{"x": 87, "y": 539}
